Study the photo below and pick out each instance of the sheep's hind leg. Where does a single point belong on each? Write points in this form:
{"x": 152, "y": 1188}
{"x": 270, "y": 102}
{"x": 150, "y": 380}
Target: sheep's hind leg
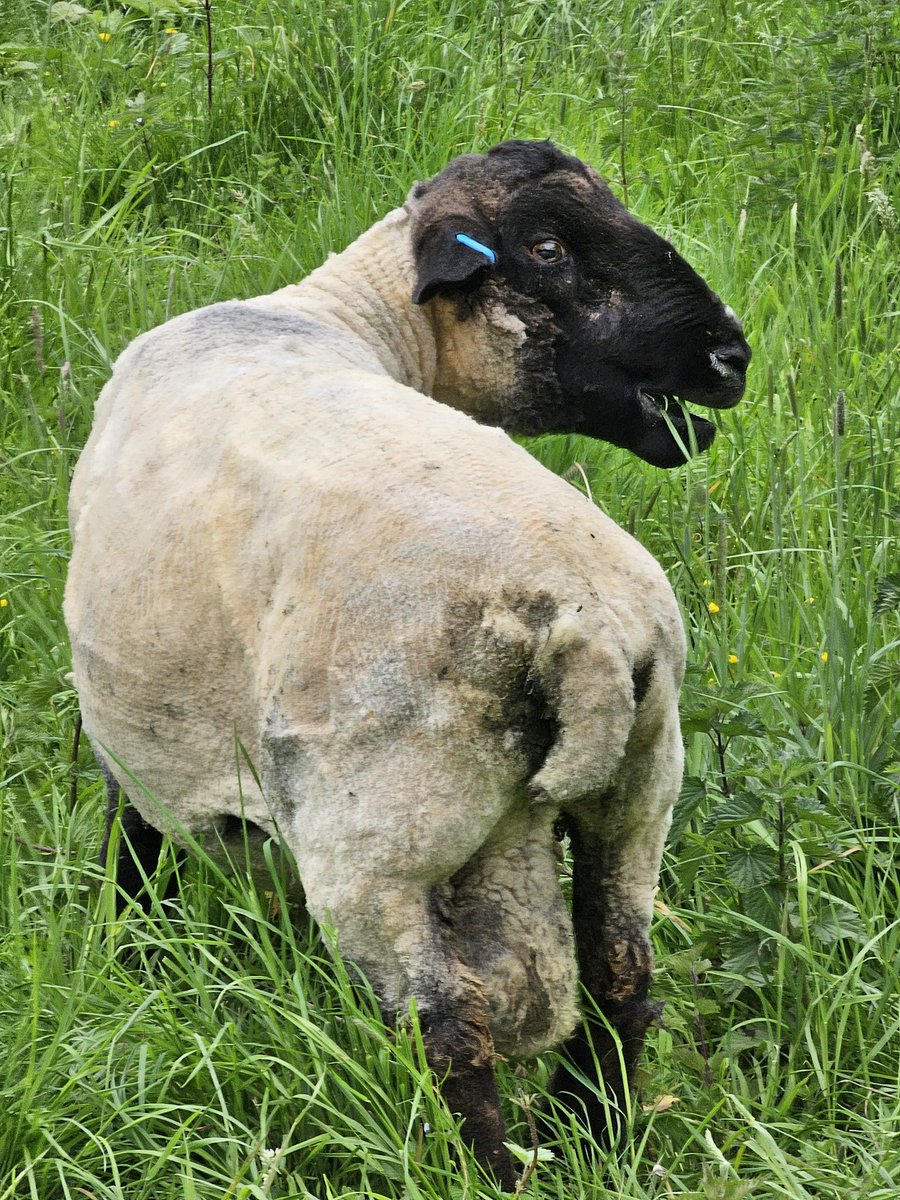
{"x": 615, "y": 963}
{"x": 377, "y": 829}
{"x": 616, "y": 846}
{"x": 139, "y": 847}
{"x": 398, "y": 934}
{"x": 459, "y": 1049}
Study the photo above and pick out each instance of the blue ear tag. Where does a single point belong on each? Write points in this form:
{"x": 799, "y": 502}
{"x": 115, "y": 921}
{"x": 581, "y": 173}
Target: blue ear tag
{"x": 473, "y": 245}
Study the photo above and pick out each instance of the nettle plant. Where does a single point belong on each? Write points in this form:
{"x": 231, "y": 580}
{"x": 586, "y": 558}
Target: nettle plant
{"x": 739, "y": 830}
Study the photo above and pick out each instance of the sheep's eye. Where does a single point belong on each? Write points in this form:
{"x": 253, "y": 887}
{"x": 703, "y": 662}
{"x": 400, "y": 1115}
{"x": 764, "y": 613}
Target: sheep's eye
{"x": 548, "y": 251}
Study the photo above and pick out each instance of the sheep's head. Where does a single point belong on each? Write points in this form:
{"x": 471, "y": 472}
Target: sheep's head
{"x": 599, "y": 325}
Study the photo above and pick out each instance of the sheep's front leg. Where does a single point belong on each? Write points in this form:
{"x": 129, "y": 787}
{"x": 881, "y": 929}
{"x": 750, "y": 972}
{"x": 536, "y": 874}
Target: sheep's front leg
{"x": 616, "y": 845}
{"x": 139, "y": 846}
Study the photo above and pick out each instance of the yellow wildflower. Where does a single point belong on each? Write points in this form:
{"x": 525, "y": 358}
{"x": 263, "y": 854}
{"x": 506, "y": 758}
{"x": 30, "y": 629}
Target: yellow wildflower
{"x": 810, "y": 599}
{"x": 824, "y": 656}
{"x": 707, "y": 582}
{"x": 3, "y": 602}
{"x": 170, "y": 31}
{"x": 104, "y": 36}
{"x": 732, "y": 658}
{"x": 712, "y": 607}
{"x": 113, "y": 124}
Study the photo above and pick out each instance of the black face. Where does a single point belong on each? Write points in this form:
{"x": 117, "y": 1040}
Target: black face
{"x": 627, "y": 324}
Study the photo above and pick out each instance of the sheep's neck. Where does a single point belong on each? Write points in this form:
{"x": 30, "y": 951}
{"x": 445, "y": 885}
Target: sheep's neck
{"x": 365, "y": 291}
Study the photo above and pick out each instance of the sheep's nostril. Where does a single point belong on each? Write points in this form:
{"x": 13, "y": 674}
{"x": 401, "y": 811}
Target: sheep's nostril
{"x": 733, "y": 358}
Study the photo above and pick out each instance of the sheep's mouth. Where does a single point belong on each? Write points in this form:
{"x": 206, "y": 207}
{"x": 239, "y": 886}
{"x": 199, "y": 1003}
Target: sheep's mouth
{"x": 673, "y": 433}
{"x": 652, "y": 422}
{"x": 667, "y": 412}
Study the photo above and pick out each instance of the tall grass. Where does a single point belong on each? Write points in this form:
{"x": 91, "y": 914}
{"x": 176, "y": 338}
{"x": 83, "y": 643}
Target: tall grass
{"x": 213, "y": 1049}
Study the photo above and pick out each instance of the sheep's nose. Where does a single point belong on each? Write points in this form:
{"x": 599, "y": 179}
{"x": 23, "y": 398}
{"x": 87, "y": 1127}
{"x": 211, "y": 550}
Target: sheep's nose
{"x": 735, "y": 356}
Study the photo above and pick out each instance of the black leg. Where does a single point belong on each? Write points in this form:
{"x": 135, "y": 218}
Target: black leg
{"x": 615, "y": 964}
{"x": 459, "y": 1051}
{"x": 393, "y": 932}
{"x": 139, "y": 847}
{"x": 617, "y": 839}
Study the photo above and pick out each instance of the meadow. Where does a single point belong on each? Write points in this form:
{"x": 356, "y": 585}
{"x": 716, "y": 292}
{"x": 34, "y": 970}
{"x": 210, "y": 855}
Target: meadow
{"x": 156, "y": 155}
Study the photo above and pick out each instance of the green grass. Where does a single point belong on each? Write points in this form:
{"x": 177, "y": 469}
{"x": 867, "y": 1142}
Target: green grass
{"x": 214, "y": 1050}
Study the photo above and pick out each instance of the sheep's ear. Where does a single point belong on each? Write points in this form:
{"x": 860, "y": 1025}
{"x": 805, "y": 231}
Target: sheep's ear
{"x": 450, "y": 258}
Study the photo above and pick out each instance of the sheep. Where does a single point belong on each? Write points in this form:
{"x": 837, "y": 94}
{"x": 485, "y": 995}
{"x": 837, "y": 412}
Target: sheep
{"x": 299, "y": 523}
